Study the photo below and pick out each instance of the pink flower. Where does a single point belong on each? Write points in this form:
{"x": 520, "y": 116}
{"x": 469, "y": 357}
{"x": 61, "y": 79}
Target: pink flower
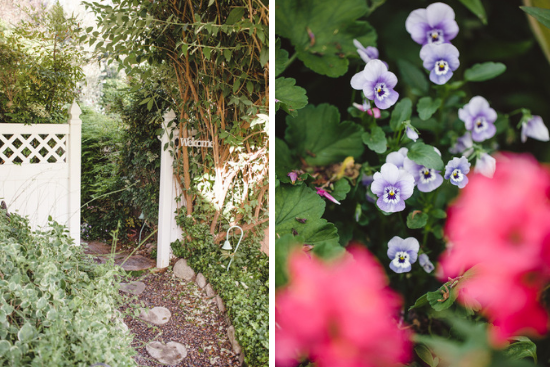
{"x": 500, "y": 225}
{"x": 339, "y": 314}
{"x": 323, "y": 193}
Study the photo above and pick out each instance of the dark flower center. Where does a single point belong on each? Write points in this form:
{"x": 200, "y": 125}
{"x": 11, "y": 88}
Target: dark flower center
{"x": 435, "y": 36}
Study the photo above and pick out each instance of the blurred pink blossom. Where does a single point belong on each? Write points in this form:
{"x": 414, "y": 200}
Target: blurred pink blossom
{"x": 501, "y": 226}
{"x": 339, "y": 314}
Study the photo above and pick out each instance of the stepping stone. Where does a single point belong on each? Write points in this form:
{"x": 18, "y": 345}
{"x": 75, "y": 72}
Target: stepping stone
{"x": 200, "y": 280}
{"x": 172, "y": 353}
{"x": 234, "y": 343}
{"x": 209, "y": 291}
{"x": 184, "y": 271}
{"x": 135, "y": 288}
{"x": 135, "y": 262}
{"x": 220, "y": 304}
{"x": 156, "y": 315}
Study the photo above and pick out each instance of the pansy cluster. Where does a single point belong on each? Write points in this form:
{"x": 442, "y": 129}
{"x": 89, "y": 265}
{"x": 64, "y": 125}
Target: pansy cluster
{"x": 498, "y": 229}
{"x": 339, "y": 314}
{"x": 434, "y": 28}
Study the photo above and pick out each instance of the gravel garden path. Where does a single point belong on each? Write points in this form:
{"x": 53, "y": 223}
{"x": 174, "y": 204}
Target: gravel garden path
{"x": 173, "y": 321}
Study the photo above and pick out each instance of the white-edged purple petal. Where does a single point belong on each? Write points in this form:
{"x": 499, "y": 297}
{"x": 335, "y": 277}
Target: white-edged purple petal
{"x": 440, "y": 79}
{"x": 449, "y": 28}
{"x": 398, "y": 157}
{"x": 406, "y": 181}
{"x": 378, "y": 184}
{"x": 439, "y": 12}
{"x": 374, "y": 70}
{"x": 387, "y": 102}
{"x": 486, "y": 165}
{"x": 429, "y": 180}
{"x": 411, "y": 134}
{"x": 394, "y": 245}
{"x": 463, "y": 144}
{"x": 425, "y": 263}
{"x": 390, "y": 206}
{"x": 479, "y": 118}
{"x": 417, "y": 25}
{"x": 358, "y": 81}
{"x": 535, "y": 129}
{"x": 390, "y": 173}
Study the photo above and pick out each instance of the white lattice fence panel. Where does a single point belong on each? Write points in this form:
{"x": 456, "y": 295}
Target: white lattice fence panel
{"x": 40, "y": 171}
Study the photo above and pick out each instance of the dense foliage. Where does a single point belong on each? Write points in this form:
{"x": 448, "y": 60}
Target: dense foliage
{"x": 381, "y": 161}
{"x": 244, "y": 288}
{"x": 215, "y": 55}
{"x": 57, "y": 307}
{"x": 40, "y": 66}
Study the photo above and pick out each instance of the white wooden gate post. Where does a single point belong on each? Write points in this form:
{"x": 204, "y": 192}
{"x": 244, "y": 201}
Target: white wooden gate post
{"x": 168, "y": 229}
{"x": 74, "y": 157}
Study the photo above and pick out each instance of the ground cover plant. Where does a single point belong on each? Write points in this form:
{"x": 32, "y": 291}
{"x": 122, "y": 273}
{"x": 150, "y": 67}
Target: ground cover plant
{"x": 405, "y": 229}
{"x": 57, "y": 306}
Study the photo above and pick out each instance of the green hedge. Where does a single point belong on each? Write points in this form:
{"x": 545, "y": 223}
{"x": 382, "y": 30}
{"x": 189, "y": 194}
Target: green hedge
{"x": 57, "y": 308}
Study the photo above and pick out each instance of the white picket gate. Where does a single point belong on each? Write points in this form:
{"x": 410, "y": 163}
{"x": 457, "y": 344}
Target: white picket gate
{"x": 40, "y": 171}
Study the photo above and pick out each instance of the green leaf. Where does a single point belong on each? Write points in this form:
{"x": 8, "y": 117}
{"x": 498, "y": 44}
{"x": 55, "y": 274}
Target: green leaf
{"x": 341, "y": 188}
{"x": 425, "y": 155}
{"x": 430, "y": 124}
{"x": 206, "y": 51}
{"x": 476, "y": 7}
{"x": 522, "y": 348}
{"x": 426, "y": 107}
{"x": 332, "y": 28}
{"x": 293, "y": 202}
{"x": 413, "y": 77}
{"x": 234, "y": 16}
{"x": 424, "y": 354}
{"x": 318, "y": 136}
{"x": 401, "y": 112}
{"x": 284, "y": 161}
{"x": 26, "y": 333}
{"x": 283, "y": 246}
{"x": 281, "y": 58}
{"x": 290, "y": 96}
{"x": 417, "y": 219}
{"x": 4, "y": 347}
{"x": 436, "y": 299}
{"x": 375, "y": 140}
{"x": 264, "y": 55}
{"x": 485, "y": 71}
{"x": 540, "y": 14}
{"x": 438, "y": 213}
{"x": 420, "y": 302}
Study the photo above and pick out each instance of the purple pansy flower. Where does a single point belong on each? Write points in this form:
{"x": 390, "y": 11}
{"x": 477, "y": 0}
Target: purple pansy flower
{"x": 441, "y": 60}
{"x": 463, "y": 145}
{"x": 322, "y": 192}
{"x": 365, "y": 107}
{"x": 486, "y": 165}
{"x": 479, "y": 118}
{"x": 434, "y": 25}
{"x": 411, "y": 134}
{"x": 425, "y": 263}
{"x": 398, "y": 157}
{"x": 456, "y": 171}
{"x": 534, "y": 128}
{"x": 368, "y": 53}
{"x": 426, "y": 179}
{"x": 377, "y": 84}
{"x": 366, "y": 180}
{"x": 403, "y": 253}
{"x": 392, "y": 186}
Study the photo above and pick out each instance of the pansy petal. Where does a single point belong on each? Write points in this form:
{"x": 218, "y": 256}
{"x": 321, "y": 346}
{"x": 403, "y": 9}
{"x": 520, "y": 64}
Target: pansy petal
{"x": 476, "y": 105}
{"x": 395, "y": 158}
{"x": 535, "y": 129}
{"x": 372, "y": 52}
{"x": 357, "y": 44}
{"x": 394, "y": 245}
{"x": 374, "y": 69}
{"x": 407, "y": 186}
{"x": 490, "y": 115}
{"x": 390, "y": 172}
{"x": 440, "y": 79}
{"x": 432, "y": 185}
{"x": 411, "y": 245}
{"x": 439, "y": 12}
{"x": 378, "y": 184}
{"x": 387, "y": 102}
{"x": 417, "y": 26}
{"x": 389, "y": 78}
{"x": 463, "y": 183}
{"x": 358, "y": 81}
{"x": 449, "y": 28}
{"x": 428, "y": 56}
{"x": 364, "y": 55}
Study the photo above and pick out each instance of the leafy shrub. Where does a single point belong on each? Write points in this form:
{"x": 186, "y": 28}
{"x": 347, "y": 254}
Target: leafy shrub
{"x": 40, "y": 66}
{"x": 57, "y": 308}
{"x": 244, "y": 288}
